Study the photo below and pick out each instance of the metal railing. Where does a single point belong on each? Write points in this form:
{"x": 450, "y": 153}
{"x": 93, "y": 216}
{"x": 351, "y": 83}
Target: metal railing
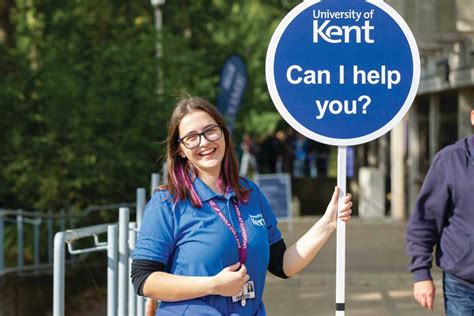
{"x": 35, "y": 219}
{"x": 117, "y": 250}
{"x": 121, "y": 298}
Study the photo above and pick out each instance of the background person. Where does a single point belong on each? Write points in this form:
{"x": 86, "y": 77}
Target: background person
{"x": 267, "y": 159}
{"x": 248, "y": 160}
{"x": 300, "y": 148}
{"x": 444, "y": 216}
{"x": 209, "y": 233}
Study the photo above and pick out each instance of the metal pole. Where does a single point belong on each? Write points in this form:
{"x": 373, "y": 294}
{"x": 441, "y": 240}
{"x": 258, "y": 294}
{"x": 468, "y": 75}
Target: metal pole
{"x": 132, "y": 297}
{"x": 70, "y": 215}
{"x": 155, "y": 182}
{"x": 164, "y": 172}
{"x": 124, "y": 216}
{"x": 62, "y": 221}
{"x": 58, "y": 274}
{"x": 341, "y": 233}
{"x": 50, "y": 236}
{"x": 112, "y": 267}
{"x": 36, "y": 237}
{"x": 141, "y": 201}
{"x": 158, "y": 25}
{"x": 2, "y": 254}
{"x": 288, "y": 198}
{"x": 19, "y": 228}
{"x": 140, "y": 306}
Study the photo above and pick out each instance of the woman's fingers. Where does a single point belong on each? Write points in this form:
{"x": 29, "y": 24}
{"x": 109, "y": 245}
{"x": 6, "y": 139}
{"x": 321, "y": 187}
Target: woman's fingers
{"x": 346, "y": 206}
{"x": 346, "y": 217}
{"x": 347, "y": 203}
{"x": 335, "y": 195}
{"x": 233, "y": 267}
{"x": 345, "y": 211}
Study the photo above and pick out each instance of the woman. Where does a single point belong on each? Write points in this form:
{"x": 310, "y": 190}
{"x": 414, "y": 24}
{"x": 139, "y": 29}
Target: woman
{"x": 208, "y": 238}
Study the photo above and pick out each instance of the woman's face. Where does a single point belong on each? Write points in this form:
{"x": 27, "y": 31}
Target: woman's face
{"x": 207, "y": 156}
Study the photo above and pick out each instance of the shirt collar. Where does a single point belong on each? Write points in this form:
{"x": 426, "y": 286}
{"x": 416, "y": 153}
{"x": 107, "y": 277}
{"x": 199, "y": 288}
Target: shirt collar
{"x": 206, "y": 193}
{"x": 470, "y": 146}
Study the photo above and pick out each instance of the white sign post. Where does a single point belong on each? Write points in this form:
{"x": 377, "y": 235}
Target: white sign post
{"x": 343, "y": 73}
{"x": 341, "y": 233}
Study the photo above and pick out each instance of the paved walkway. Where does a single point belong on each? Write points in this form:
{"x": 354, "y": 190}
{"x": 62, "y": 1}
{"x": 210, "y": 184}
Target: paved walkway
{"x": 377, "y": 282}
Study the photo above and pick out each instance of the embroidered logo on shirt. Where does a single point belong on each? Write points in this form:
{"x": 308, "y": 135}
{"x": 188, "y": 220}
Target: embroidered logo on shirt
{"x": 258, "y": 220}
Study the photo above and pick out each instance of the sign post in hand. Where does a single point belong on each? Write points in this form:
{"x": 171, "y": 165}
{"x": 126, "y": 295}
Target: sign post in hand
{"x": 343, "y": 73}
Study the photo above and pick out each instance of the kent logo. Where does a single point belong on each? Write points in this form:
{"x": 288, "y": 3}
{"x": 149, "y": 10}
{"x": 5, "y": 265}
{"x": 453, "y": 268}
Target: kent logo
{"x": 257, "y": 220}
{"x": 335, "y": 34}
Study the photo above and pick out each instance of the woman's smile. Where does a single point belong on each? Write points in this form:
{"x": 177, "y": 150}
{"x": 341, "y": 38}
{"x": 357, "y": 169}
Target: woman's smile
{"x": 208, "y": 155}
{"x": 207, "y": 152}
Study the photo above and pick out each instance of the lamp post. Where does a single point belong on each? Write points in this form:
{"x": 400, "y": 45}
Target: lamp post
{"x": 159, "y": 91}
{"x": 157, "y": 4}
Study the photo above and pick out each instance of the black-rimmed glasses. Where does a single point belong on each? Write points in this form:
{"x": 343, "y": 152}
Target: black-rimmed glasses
{"x": 193, "y": 140}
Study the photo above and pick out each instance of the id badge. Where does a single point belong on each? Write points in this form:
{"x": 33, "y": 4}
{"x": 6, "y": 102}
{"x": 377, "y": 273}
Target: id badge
{"x": 247, "y": 292}
{"x": 237, "y": 297}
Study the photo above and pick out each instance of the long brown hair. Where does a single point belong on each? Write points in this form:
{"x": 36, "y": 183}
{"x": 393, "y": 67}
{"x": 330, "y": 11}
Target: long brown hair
{"x": 180, "y": 170}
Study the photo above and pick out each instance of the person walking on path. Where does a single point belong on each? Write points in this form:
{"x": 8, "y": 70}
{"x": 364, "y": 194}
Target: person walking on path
{"x": 444, "y": 216}
{"x": 208, "y": 237}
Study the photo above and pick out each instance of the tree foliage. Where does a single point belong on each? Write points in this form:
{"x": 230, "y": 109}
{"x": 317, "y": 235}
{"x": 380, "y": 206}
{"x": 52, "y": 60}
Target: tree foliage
{"x": 81, "y": 120}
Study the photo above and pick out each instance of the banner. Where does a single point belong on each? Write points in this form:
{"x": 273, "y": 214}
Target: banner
{"x": 232, "y": 86}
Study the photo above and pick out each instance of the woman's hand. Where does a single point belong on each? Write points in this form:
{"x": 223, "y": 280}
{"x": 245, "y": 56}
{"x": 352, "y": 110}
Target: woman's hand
{"x": 230, "y": 280}
{"x": 330, "y": 216}
{"x": 300, "y": 254}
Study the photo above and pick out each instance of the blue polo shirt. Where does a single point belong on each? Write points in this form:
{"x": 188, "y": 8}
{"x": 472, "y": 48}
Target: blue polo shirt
{"x": 195, "y": 242}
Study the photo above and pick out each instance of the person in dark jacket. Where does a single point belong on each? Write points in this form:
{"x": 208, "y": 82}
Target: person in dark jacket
{"x": 444, "y": 216}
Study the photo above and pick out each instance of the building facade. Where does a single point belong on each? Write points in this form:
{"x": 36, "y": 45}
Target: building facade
{"x": 444, "y": 31}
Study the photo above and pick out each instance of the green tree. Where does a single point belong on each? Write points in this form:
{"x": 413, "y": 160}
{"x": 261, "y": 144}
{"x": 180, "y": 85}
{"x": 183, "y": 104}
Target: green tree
{"x": 81, "y": 121}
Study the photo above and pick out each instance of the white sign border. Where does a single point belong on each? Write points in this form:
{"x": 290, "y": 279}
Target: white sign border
{"x": 270, "y": 77}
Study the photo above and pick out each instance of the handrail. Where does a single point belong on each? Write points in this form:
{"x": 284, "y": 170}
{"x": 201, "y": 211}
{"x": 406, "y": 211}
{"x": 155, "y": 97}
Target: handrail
{"x": 68, "y": 236}
{"x": 21, "y": 217}
{"x": 43, "y": 266}
{"x": 80, "y": 214}
{"x": 5, "y": 213}
{"x": 119, "y": 261}
{"x": 71, "y": 235}
{"x": 116, "y": 206}
{"x": 121, "y": 237}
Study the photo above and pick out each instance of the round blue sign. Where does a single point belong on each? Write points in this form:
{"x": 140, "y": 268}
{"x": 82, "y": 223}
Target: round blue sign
{"x": 343, "y": 72}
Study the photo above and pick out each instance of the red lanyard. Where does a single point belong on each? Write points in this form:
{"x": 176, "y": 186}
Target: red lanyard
{"x": 241, "y": 247}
